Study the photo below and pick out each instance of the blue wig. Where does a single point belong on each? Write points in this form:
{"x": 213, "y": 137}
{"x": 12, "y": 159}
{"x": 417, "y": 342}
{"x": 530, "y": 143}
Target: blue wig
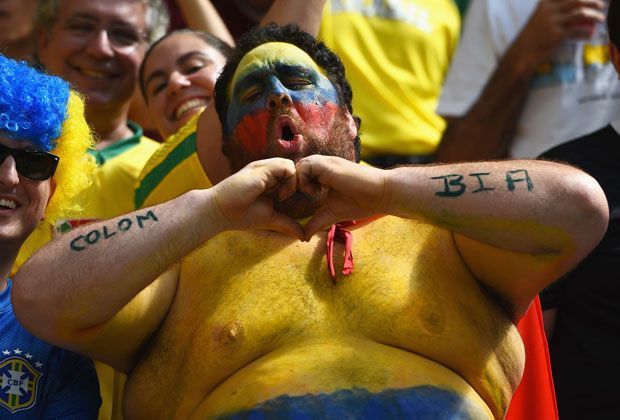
{"x": 33, "y": 105}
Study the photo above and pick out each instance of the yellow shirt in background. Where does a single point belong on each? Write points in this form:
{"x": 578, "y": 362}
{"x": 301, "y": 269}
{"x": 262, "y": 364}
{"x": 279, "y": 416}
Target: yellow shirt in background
{"x": 396, "y": 54}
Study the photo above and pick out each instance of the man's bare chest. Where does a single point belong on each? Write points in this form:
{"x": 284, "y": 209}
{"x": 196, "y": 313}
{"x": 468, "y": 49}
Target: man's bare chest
{"x": 244, "y": 295}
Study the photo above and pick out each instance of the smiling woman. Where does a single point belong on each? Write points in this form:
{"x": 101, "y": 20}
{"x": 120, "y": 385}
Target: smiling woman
{"x": 178, "y": 76}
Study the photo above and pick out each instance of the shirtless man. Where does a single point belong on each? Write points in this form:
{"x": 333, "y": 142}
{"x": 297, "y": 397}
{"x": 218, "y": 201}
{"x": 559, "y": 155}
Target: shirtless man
{"x": 249, "y": 318}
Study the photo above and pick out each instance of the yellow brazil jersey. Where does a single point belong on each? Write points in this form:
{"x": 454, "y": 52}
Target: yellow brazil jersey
{"x": 173, "y": 170}
{"x": 111, "y": 194}
{"x": 396, "y": 54}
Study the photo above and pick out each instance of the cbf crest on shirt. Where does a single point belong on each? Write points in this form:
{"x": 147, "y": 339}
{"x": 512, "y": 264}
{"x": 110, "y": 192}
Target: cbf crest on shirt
{"x": 19, "y": 379}
{"x": 39, "y": 380}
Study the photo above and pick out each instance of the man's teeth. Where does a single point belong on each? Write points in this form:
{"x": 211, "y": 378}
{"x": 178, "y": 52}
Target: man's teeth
{"x": 94, "y": 73}
{"x": 10, "y": 204}
{"x": 186, "y": 106}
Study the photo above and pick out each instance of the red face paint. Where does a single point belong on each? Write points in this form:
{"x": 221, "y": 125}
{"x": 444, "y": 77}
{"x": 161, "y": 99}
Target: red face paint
{"x": 318, "y": 118}
{"x": 251, "y": 132}
{"x": 313, "y": 122}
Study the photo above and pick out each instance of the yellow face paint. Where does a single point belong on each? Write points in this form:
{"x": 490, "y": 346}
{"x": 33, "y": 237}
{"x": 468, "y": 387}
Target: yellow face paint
{"x": 268, "y": 54}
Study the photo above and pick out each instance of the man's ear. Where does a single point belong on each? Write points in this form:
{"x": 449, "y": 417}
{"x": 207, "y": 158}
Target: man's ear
{"x": 350, "y": 123}
{"x": 52, "y": 191}
{"x": 614, "y": 55}
{"x": 49, "y": 197}
{"x": 42, "y": 41}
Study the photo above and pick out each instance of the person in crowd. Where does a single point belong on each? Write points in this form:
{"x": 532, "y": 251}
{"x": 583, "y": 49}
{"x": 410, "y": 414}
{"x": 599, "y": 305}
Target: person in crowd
{"x": 177, "y": 80}
{"x": 582, "y": 311}
{"x": 18, "y": 37}
{"x": 178, "y": 75}
{"x": 251, "y": 321}
{"x": 179, "y": 165}
{"x": 527, "y": 75}
{"x": 97, "y": 46}
{"x": 198, "y": 15}
{"x": 43, "y": 168}
{"x": 396, "y": 54}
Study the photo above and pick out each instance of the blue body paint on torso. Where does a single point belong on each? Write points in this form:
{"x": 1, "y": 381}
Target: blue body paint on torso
{"x": 422, "y": 402}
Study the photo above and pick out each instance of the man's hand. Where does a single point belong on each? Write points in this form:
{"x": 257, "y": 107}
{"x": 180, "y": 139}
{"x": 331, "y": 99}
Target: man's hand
{"x": 555, "y": 21}
{"x": 241, "y": 202}
{"x": 355, "y": 191}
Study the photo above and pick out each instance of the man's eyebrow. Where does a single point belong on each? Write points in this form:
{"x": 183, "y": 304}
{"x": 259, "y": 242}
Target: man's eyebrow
{"x": 293, "y": 70}
{"x": 280, "y": 69}
{"x": 117, "y": 22}
{"x": 82, "y": 15}
{"x": 253, "y": 77}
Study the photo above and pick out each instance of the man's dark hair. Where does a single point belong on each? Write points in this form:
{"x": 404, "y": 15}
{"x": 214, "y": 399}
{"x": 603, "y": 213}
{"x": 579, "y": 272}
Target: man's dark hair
{"x": 291, "y": 34}
{"x": 211, "y": 40}
{"x": 613, "y": 22}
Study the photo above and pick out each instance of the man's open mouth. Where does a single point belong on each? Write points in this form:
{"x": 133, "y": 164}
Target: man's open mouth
{"x": 6, "y": 204}
{"x": 287, "y": 133}
{"x": 285, "y": 128}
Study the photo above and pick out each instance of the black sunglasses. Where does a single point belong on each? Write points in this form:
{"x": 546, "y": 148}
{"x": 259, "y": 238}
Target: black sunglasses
{"x": 35, "y": 165}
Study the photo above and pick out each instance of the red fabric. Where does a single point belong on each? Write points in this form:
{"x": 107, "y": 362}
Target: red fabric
{"x": 338, "y": 233}
{"x": 535, "y": 397}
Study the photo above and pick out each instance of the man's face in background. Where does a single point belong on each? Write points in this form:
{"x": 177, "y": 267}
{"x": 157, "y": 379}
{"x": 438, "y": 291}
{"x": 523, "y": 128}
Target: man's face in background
{"x": 97, "y": 46}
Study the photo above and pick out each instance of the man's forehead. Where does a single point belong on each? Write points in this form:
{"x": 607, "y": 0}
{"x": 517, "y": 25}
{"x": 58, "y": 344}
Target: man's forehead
{"x": 18, "y": 143}
{"x": 129, "y": 11}
{"x": 269, "y": 54}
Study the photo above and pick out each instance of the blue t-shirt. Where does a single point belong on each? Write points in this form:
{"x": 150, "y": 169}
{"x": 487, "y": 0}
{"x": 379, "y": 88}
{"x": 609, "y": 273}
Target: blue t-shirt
{"x": 39, "y": 380}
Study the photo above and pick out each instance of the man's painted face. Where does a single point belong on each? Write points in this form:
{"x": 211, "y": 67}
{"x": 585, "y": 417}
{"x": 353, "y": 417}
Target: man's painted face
{"x": 282, "y": 104}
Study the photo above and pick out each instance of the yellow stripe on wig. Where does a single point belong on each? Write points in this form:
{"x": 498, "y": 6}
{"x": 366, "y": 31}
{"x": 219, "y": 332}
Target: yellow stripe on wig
{"x": 76, "y": 167}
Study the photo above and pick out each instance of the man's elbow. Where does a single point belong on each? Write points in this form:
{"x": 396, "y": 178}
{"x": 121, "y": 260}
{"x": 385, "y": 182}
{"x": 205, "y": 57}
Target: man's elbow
{"x": 590, "y": 212}
{"x": 35, "y": 309}
{"x": 29, "y": 304}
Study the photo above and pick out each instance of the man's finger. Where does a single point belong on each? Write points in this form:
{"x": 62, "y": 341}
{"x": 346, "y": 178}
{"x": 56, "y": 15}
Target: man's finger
{"x": 286, "y": 225}
{"x": 322, "y": 219}
{"x": 288, "y": 185}
{"x": 310, "y": 171}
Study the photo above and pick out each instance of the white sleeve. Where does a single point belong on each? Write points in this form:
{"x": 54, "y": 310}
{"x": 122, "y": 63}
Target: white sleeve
{"x": 489, "y": 29}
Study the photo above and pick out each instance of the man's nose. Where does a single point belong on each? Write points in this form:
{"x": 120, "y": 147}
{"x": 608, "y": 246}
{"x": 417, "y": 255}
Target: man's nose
{"x": 278, "y": 94}
{"x": 99, "y": 45}
{"x": 8, "y": 172}
{"x": 278, "y": 99}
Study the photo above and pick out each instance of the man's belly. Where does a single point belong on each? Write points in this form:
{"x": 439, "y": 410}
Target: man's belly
{"x": 343, "y": 377}
{"x": 257, "y": 324}
{"x": 324, "y": 377}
